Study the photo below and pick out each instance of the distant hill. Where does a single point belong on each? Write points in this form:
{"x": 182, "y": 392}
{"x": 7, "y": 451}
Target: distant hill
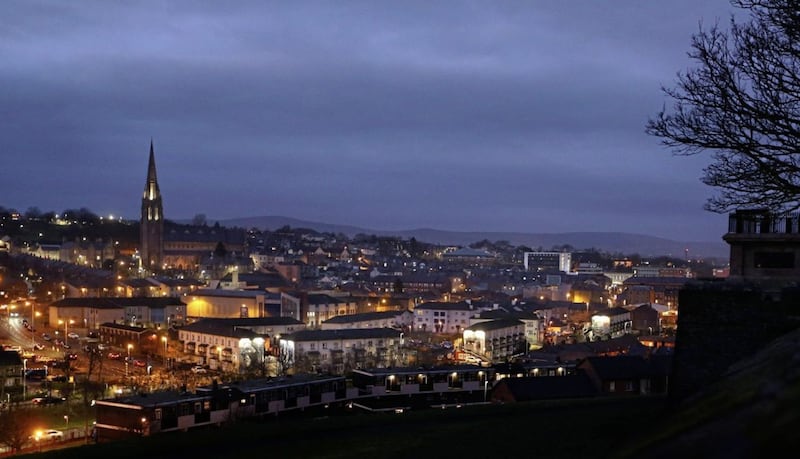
{"x": 627, "y": 243}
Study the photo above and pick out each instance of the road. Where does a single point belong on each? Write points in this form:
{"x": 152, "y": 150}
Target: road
{"x": 115, "y": 372}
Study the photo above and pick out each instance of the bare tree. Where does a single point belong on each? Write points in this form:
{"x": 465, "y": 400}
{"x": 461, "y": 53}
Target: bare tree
{"x": 741, "y": 104}
{"x": 95, "y": 367}
{"x": 16, "y": 427}
{"x": 285, "y": 362}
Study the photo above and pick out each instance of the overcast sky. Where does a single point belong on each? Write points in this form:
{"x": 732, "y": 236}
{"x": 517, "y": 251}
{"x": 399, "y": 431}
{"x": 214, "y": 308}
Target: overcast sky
{"x": 477, "y": 116}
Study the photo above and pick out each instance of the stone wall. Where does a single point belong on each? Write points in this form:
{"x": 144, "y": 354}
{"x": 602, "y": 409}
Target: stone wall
{"x": 722, "y": 322}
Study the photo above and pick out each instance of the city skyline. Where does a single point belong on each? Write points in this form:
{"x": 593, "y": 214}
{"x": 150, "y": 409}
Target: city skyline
{"x": 455, "y": 116}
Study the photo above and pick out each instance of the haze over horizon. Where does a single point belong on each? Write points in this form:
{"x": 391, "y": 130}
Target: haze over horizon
{"x": 457, "y": 116}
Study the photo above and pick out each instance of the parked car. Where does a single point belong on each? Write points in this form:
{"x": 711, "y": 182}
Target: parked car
{"x": 114, "y": 355}
{"x": 46, "y": 337}
{"x": 37, "y": 346}
{"x": 65, "y": 345}
{"x": 49, "y": 400}
{"x": 73, "y": 356}
{"x": 139, "y": 363}
{"x": 73, "y": 335}
{"x": 198, "y": 369}
{"x": 50, "y": 434}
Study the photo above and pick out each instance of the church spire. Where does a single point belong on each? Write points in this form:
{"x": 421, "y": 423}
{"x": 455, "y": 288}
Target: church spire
{"x": 151, "y": 191}
{"x": 151, "y": 225}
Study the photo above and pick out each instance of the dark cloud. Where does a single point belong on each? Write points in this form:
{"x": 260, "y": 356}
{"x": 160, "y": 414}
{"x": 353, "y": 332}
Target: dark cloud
{"x": 517, "y": 116}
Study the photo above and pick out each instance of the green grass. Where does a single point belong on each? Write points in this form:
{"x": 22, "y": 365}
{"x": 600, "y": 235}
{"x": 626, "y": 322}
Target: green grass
{"x": 579, "y": 428}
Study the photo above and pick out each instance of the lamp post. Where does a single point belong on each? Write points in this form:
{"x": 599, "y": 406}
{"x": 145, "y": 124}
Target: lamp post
{"x": 33, "y": 335}
{"x": 164, "y": 340}
{"x": 24, "y": 376}
{"x": 128, "y": 360}
{"x": 482, "y": 375}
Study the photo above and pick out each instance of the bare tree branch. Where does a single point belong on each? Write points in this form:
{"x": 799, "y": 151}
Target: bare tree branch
{"x": 741, "y": 104}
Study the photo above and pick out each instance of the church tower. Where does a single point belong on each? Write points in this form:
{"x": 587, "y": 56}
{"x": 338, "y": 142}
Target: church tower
{"x": 151, "y": 228}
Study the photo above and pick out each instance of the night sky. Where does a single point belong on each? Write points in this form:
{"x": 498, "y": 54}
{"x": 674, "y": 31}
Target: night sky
{"x": 476, "y": 116}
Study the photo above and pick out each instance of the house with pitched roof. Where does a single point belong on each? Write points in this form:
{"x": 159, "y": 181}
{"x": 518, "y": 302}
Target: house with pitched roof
{"x": 227, "y": 345}
{"x": 442, "y": 317}
{"x": 496, "y": 340}
{"x": 338, "y": 351}
{"x": 315, "y": 308}
{"x": 90, "y": 312}
{"x": 627, "y": 374}
{"x": 221, "y": 303}
{"x": 11, "y": 368}
{"x": 400, "y": 320}
{"x": 203, "y": 335}
{"x": 529, "y": 388}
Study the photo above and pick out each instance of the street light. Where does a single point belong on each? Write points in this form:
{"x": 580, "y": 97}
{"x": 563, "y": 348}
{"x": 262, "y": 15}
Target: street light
{"x": 24, "y": 376}
{"x": 33, "y": 335}
{"x": 164, "y": 340}
{"x": 128, "y": 360}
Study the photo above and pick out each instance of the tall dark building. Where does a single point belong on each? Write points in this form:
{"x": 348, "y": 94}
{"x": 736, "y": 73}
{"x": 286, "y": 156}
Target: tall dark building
{"x": 151, "y": 229}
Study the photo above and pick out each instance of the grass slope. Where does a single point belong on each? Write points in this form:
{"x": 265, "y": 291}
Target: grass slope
{"x": 754, "y": 412}
{"x": 546, "y": 429}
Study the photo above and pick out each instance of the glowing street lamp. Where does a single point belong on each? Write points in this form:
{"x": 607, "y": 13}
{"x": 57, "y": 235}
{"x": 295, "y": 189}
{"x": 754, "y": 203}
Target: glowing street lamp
{"x": 33, "y": 335}
{"x": 24, "y": 376}
{"x": 164, "y": 340}
{"x": 128, "y": 360}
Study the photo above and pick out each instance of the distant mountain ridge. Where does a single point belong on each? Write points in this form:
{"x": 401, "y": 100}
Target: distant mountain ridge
{"x": 612, "y": 242}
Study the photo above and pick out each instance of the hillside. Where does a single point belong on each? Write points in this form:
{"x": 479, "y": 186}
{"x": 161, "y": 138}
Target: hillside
{"x": 626, "y": 243}
{"x": 751, "y": 413}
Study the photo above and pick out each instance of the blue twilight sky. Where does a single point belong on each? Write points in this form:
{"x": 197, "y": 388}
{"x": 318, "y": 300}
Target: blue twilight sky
{"x": 456, "y": 115}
